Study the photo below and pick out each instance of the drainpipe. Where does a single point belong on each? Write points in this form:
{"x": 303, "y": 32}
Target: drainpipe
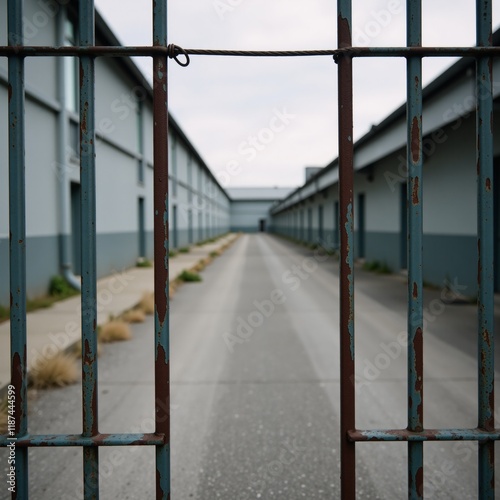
{"x": 61, "y": 170}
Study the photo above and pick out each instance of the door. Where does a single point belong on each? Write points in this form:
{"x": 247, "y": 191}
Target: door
{"x": 361, "y": 226}
{"x": 141, "y": 214}
{"x": 76, "y": 228}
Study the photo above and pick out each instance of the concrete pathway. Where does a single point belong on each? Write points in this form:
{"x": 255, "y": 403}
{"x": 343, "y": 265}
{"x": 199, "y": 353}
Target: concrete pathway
{"x": 58, "y": 327}
{"x": 254, "y": 353}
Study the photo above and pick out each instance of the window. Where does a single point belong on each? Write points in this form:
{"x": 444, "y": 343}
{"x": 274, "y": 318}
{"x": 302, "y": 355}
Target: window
{"x": 71, "y": 69}
{"x": 140, "y": 143}
{"x": 174, "y": 166}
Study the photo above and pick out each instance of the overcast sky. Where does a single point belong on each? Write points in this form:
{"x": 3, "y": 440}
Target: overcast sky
{"x": 259, "y": 122}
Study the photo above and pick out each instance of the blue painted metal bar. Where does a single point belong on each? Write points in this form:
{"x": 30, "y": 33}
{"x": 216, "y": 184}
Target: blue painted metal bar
{"x": 161, "y": 244}
{"x": 17, "y": 228}
{"x": 88, "y": 224}
{"x": 49, "y": 440}
{"x": 415, "y": 248}
{"x": 346, "y": 199}
{"x": 426, "y": 435}
{"x": 486, "y": 337}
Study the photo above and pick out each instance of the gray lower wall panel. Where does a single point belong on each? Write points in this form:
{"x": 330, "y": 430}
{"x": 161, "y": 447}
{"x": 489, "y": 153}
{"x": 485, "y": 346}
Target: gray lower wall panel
{"x": 445, "y": 257}
{"x": 450, "y": 257}
{"x": 118, "y": 251}
{"x": 384, "y": 248}
{"x": 182, "y": 239}
{"x": 244, "y": 229}
{"x": 115, "y": 252}
{"x": 42, "y": 262}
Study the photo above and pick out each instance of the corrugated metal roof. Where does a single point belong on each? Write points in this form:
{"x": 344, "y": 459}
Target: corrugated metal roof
{"x": 259, "y": 193}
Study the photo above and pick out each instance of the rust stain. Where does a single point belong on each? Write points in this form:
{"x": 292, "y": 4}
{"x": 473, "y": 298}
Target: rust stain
{"x": 83, "y": 126}
{"x": 86, "y": 353}
{"x": 414, "y": 197}
{"x": 487, "y": 337}
{"x": 415, "y": 291}
{"x": 488, "y": 184}
{"x": 17, "y": 377}
{"x": 162, "y": 394}
{"x": 419, "y": 363}
{"x": 420, "y": 481}
{"x": 415, "y": 140}
{"x": 344, "y": 33}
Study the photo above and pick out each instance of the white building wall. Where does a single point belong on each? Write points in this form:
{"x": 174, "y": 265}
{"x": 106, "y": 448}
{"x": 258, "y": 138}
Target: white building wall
{"x": 120, "y": 95}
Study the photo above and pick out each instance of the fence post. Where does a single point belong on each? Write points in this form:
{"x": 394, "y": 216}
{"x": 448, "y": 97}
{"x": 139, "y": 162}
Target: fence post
{"x": 17, "y": 248}
{"x": 162, "y": 373}
{"x": 346, "y": 180}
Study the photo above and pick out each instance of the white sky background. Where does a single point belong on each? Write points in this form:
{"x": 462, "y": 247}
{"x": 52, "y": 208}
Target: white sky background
{"x": 221, "y": 103}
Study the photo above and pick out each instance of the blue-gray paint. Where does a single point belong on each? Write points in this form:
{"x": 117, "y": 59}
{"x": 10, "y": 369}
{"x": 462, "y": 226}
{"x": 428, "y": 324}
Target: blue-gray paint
{"x": 448, "y": 257}
{"x": 115, "y": 252}
{"x": 42, "y": 262}
{"x": 453, "y": 258}
{"x": 383, "y": 247}
{"x": 245, "y": 229}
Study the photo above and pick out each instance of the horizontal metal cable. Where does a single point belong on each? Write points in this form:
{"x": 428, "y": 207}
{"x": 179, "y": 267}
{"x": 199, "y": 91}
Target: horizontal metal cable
{"x": 175, "y": 52}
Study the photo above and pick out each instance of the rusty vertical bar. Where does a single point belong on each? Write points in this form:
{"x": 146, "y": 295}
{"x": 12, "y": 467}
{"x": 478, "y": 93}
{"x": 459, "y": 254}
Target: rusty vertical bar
{"x": 162, "y": 372}
{"x": 415, "y": 248}
{"x": 486, "y": 346}
{"x": 88, "y": 226}
{"x": 346, "y": 181}
{"x": 17, "y": 250}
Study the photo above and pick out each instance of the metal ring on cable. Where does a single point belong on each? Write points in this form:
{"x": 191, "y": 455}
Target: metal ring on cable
{"x": 174, "y": 51}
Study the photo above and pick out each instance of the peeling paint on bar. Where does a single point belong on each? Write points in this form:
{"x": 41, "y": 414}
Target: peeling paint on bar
{"x": 89, "y": 259}
{"x": 71, "y": 440}
{"x": 426, "y": 435}
{"x": 485, "y": 334}
{"x": 17, "y": 243}
{"x": 346, "y": 183}
{"x": 161, "y": 249}
{"x": 415, "y": 248}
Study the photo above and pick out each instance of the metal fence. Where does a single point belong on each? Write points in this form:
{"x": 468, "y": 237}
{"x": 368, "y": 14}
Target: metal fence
{"x": 415, "y": 433}
{"x": 90, "y": 439}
